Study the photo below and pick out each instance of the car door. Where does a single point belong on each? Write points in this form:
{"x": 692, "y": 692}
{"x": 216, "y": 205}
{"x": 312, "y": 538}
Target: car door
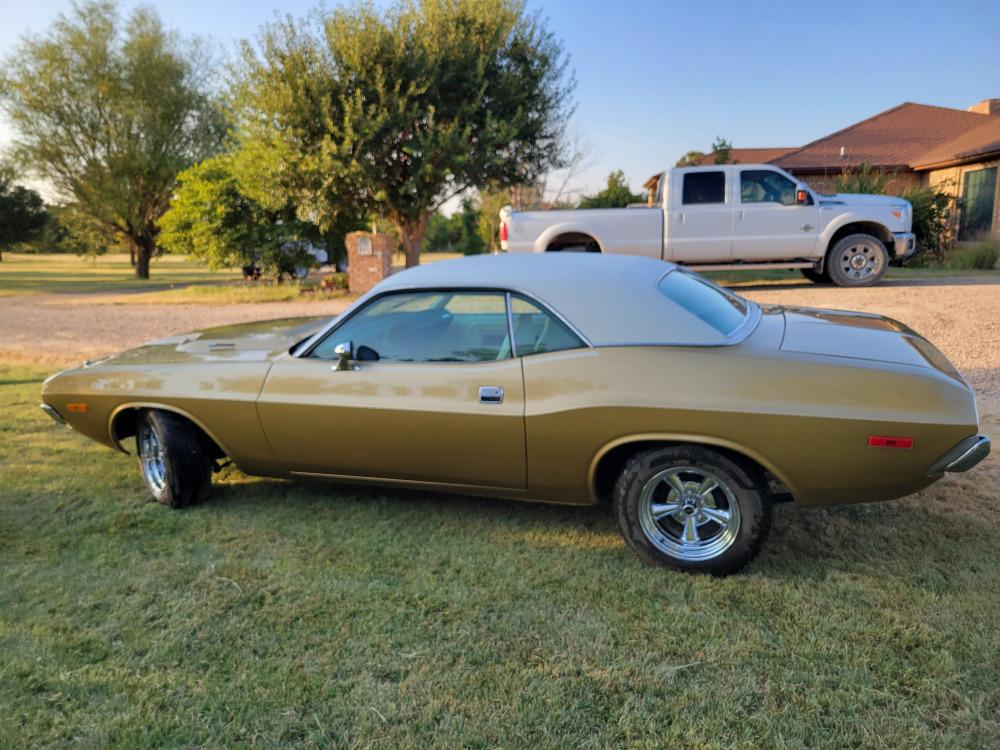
{"x": 433, "y": 394}
{"x": 700, "y": 221}
{"x": 769, "y": 224}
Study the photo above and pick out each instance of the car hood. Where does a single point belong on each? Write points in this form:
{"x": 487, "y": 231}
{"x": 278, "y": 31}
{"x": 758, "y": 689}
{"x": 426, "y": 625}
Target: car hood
{"x": 863, "y": 199}
{"x": 243, "y": 342}
{"x": 855, "y": 335}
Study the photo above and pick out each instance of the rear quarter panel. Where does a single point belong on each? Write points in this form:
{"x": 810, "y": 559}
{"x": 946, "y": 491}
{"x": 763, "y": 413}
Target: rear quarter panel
{"x": 804, "y": 418}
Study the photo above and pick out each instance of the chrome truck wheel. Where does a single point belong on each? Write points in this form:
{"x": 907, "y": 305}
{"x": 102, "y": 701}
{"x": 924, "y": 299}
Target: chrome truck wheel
{"x": 857, "y": 260}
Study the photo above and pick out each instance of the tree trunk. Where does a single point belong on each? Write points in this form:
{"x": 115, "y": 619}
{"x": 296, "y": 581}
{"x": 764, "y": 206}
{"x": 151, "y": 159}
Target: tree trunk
{"x": 131, "y": 255}
{"x": 412, "y": 231}
{"x": 143, "y": 251}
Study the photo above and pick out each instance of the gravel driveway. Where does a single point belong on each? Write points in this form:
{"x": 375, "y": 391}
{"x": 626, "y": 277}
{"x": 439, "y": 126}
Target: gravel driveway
{"x": 960, "y": 315}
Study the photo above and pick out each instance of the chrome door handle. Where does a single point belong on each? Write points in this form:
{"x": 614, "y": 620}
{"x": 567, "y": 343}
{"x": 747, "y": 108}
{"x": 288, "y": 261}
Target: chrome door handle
{"x": 806, "y": 227}
{"x": 491, "y": 394}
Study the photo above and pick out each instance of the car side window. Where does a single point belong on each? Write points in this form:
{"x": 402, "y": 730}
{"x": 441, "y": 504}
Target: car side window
{"x": 440, "y": 326}
{"x": 766, "y": 186}
{"x": 704, "y": 187}
{"x": 537, "y": 331}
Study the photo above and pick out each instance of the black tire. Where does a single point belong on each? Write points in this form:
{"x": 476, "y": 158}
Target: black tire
{"x": 815, "y": 276}
{"x": 857, "y": 260}
{"x": 174, "y": 459}
{"x": 649, "y": 475}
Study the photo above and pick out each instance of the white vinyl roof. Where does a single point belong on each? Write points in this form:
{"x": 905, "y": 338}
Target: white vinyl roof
{"x": 613, "y": 300}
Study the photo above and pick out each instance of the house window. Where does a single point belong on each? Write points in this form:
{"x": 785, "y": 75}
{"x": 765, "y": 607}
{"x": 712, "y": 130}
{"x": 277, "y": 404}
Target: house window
{"x": 704, "y": 187}
{"x": 978, "y": 199}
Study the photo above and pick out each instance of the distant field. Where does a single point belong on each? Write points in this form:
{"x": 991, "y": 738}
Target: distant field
{"x": 173, "y": 279}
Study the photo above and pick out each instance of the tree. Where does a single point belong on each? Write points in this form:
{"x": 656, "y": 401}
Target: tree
{"x": 615, "y": 195}
{"x": 490, "y": 203}
{"x": 108, "y": 113}
{"x": 22, "y": 213}
{"x": 399, "y": 110}
{"x": 721, "y": 148}
{"x": 691, "y": 159}
{"x": 211, "y": 219}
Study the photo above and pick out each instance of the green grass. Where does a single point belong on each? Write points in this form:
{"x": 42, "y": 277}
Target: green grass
{"x": 280, "y": 614}
{"x": 22, "y": 273}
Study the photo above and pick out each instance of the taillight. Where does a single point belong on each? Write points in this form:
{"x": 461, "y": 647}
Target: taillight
{"x": 503, "y": 231}
{"x": 884, "y": 441}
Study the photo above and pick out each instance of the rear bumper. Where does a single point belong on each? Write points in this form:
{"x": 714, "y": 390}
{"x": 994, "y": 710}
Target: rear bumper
{"x": 904, "y": 244}
{"x": 962, "y": 457}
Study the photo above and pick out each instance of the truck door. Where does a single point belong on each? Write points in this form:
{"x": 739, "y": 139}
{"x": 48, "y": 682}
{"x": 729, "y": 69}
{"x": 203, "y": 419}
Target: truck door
{"x": 700, "y": 219}
{"x": 768, "y": 223}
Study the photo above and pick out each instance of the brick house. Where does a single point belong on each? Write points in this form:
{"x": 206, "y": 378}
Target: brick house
{"x": 954, "y": 150}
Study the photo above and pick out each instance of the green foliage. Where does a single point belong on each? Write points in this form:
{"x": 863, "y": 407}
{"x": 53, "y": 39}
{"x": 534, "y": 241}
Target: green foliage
{"x": 690, "y": 159}
{"x": 456, "y": 233}
{"x": 108, "y": 113}
{"x": 490, "y": 202}
{"x": 397, "y": 110}
{"x": 932, "y": 222}
{"x": 211, "y": 219}
{"x": 615, "y": 195}
{"x": 22, "y": 213}
{"x": 865, "y": 179}
{"x": 721, "y": 149}
{"x": 982, "y": 256}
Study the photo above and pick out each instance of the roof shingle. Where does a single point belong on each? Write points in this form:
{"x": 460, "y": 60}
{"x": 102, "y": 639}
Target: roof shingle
{"x": 898, "y": 137}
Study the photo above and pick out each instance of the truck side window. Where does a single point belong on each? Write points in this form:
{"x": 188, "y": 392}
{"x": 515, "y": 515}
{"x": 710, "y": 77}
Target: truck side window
{"x": 765, "y": 186}
{"x": 704, "y": 187}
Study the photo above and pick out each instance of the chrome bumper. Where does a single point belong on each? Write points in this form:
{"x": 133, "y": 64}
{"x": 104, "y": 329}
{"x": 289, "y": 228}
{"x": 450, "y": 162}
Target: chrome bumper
{"x": 56, "y": 416}
{"x": 962, "y": 457}
{"x": 904, "y": 244}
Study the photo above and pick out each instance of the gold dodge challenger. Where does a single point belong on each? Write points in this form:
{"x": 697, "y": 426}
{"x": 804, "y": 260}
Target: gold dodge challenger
{"x": 559, "y": 377}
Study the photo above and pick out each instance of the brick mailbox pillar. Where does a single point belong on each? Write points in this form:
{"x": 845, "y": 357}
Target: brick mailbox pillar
{"x": 369, "y": 259}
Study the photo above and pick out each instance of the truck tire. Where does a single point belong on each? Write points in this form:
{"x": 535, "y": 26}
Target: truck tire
{"x": 857, "y": 260}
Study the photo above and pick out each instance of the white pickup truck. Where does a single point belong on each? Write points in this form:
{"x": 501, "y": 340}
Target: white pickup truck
{"x": 733, "y": 216}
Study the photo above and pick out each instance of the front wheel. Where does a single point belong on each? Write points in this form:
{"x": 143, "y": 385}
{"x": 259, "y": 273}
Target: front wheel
{"x": 857, "y": 260}
{"x": 173, "y": 458}
{"x": 691, "y": 509}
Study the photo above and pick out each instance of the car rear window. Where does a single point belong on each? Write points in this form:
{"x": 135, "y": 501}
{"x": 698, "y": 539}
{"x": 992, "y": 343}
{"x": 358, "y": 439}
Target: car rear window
{"x": 723, "y": 311}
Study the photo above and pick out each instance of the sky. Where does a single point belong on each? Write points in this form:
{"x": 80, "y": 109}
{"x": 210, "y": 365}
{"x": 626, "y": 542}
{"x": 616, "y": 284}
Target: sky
{"x": 656, "y": 78}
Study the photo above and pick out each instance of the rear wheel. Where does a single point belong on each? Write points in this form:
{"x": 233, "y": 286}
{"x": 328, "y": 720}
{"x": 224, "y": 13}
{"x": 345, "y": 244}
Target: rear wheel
{"x": 691, "y": 509}
{"x": 173, "y": 458}
{"x": 857, "y": 260}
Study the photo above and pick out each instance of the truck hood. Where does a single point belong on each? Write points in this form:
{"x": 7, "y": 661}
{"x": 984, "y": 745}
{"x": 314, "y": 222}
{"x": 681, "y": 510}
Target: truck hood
{"x": 855, "y": 335}
{"x": 862, "y": 199}
{"x": 243, "y": 342}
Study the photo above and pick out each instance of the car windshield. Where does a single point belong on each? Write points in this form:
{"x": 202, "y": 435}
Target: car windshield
{"x": 723, "y": 311}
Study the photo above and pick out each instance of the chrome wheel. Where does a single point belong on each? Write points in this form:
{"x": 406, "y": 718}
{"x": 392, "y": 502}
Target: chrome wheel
{"x": 861, "y": 260}
{"x": 689, "y": 513}
{"x": 154, "y": 468}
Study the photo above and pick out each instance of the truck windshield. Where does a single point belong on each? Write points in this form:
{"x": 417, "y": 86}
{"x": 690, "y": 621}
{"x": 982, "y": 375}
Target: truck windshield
{"x": 723, "y": 311}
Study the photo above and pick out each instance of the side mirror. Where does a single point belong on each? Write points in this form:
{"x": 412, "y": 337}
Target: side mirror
{"x": 802, "y": 196}
{"x": 345, "y": 353}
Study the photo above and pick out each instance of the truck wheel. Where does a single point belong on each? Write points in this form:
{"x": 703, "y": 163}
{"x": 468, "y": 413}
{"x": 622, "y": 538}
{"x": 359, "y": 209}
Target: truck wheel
{"x": 173, "y": 459}
{"x": 857, "y": 260}
{"x": 815, "y": 276}
{"x": 691, "y": 509}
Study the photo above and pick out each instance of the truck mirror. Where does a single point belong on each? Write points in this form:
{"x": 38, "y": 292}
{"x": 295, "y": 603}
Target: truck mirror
{"x": 802, "y": 195}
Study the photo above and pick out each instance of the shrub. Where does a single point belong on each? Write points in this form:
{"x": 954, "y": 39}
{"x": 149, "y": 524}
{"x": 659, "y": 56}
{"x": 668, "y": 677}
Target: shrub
{"x": 932, "y": 223}
{"x": 982, "y": 256}
{"x": 864, "y": 179}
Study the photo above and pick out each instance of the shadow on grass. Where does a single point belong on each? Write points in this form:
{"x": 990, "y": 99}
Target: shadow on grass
{"x": 893, "y": 538}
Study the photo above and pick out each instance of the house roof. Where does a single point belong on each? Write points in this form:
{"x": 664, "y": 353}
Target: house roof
{"x": 748, "y": 155}
{"x": 972, "y": 145}
{"x": 897, "y": 137}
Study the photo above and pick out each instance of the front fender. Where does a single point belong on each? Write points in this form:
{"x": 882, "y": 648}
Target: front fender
{"x": 854, "y": 217}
